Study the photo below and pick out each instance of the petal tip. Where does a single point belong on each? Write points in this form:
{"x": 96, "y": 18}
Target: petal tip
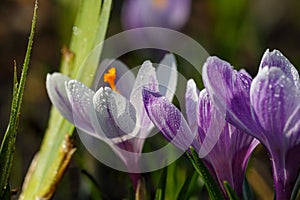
{"x": 191, "y": 82}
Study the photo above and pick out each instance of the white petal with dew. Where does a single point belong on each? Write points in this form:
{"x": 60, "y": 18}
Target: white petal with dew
{"x": 111, "y": 112}
{"x": 191, "y": 104}
{"x": 167, "y": 76}
{"x": 80, "y": 98}
{"x": 55, "y": 85}
{"x": 146, "y": 78}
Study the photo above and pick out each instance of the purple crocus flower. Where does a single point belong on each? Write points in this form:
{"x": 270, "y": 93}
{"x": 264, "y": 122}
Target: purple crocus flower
{"x": 114, "y": 113}
{"x": 224, "y": 148}
{"x": 155, "y": 13}
{"x": 267, "y": 107}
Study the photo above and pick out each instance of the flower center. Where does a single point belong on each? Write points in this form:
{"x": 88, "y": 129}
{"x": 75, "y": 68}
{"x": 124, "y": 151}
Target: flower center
{"x": 110, "y": 77}
{"x": 160, "y": 4}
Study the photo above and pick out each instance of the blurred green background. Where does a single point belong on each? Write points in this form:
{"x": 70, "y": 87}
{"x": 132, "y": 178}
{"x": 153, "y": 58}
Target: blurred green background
{"x": 238, "y": 31}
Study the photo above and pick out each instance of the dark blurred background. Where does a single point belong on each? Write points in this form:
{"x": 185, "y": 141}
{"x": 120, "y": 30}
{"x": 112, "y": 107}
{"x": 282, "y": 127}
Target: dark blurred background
{"x": 238, "y": 31}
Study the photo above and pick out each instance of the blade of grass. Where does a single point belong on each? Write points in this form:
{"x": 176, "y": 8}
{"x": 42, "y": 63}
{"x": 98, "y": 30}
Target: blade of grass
{"x": 211, "y": 186}
{"x": 185, "y": 191}
{"x": 160, "y": 191}
{"x": 230, "y": 192}
{"x": 8, "y": 144}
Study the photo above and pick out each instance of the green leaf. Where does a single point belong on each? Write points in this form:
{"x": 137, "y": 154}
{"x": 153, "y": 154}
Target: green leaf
{"x": 89, "y": 45}
{"x": 211, "y": 186}
{"x": 160, "y": 191}
{"x": 8, "y": 144}
{"x": 84, "y": 32}
{"x": 42, "y": 177}
{"x": 189, "y": 184}
{"x": 296, "y": 188}
{"x": 230, "y": 192}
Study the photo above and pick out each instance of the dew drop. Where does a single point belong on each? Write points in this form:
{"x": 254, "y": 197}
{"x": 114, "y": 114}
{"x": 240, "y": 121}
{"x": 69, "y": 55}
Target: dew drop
{"x": 75, "y": 30}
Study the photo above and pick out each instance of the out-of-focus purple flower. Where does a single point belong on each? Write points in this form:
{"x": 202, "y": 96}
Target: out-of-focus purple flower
{"x": 115, "y": 113}
{"x": 224, "y": 148}
{"x": 171, "y": 14}
{"x": 267, "y": 107}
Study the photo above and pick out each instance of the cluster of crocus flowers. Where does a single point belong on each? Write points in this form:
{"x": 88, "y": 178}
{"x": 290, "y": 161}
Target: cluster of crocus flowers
{"x": 224, "y": 122}
{"x": 114, "y": 113}
{"x": 171, "y": 14}
{"x": 224, "y": 148}
{"x": 267, "y": 107}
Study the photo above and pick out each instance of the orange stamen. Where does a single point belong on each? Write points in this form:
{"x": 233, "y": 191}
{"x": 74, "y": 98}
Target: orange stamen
{"x": 110, "y": 77}
{"x": 160, "y": 4}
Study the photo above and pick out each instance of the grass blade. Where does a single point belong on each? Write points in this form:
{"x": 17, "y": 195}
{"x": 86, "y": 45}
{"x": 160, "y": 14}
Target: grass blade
{"x": 8, "y": 144}
{"x": 185, "y": 191}
{"x": 230, "y": 192}
{"x": 211, "y": 186}
{"x": 160, "y": 191}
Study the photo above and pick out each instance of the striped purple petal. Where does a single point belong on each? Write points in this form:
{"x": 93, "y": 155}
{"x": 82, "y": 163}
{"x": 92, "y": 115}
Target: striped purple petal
{"x": 230, "y": 92}
{"x": 278, "y": 110}
{"x": 168, "y": 119}
{"x": 276, "y": 59}
{"x": 228, "y": 148}
{"x": 273, "y": 100}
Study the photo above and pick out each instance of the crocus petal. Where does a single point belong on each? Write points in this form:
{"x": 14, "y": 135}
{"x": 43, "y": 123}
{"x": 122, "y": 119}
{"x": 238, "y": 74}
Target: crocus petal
{"x": 230, "y": 90}
{"x": 106, "y": 116}
{"x": 210, "y": 124}
{"x": 55, "y": 85}
{"x": 277, "y": 105}
{"x": 230, "y": 156}
{"x": 292, "y": 126}
{"x": 168, "y": 13}
{"x": 116, "y": 124}
{"x": 146, "y": 78}
{"x": 276, "y": 59}
{"x": 227, "y": 148}
{"x": 124, "y": 77}
{"x": 107, "y": 151}
{"x": 111, "y": 117}
{"x": 168, "y": 119}
{"x": 122, "y": 112}
{"x": 167, "y": 76}
{"x": 191, "y": 104}
{"x": 80, "y": 98}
